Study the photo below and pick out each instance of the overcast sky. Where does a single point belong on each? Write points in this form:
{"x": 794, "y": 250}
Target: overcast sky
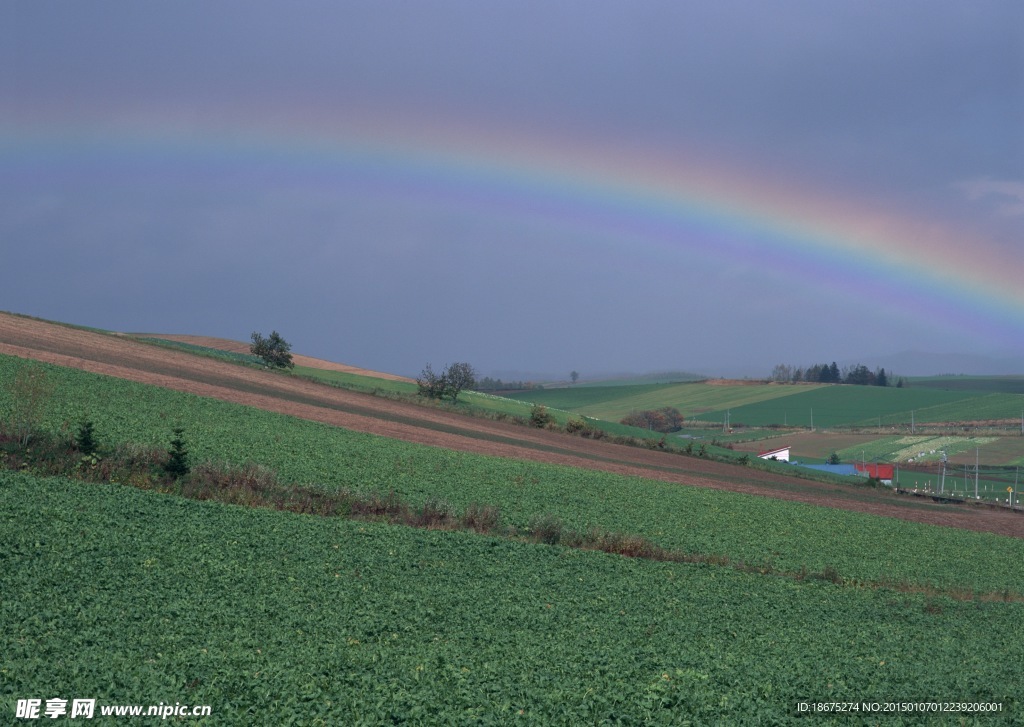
{"x": 521, "y": 185}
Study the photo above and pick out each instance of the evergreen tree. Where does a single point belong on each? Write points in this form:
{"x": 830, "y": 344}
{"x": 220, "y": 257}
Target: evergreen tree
{"x": 177, "y": 456}
{"x": 85, "y": 439}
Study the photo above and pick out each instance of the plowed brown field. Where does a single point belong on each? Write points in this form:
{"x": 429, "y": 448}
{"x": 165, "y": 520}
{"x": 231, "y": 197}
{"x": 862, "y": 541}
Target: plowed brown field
{"x": 126, "y": 358}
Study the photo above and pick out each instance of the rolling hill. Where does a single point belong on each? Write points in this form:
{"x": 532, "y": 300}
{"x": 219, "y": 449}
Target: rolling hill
{"x": 779, "y": 589}
{"x": 122, "y": 357}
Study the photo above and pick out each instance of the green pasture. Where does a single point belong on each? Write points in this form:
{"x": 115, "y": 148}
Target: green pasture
{"x": 830, "y": 406}
{"x": 357, "y": 382}
{"x": 988, "y": 384}
{"x": 783, "y": 534}
{"x": 131, "y": 597}
{"x": 696, "y": 400}
{"x": 760, "y": 405}
{"x": 868, "y": 406}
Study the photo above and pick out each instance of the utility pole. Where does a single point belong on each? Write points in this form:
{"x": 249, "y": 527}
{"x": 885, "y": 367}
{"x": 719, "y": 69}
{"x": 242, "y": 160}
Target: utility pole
{"x": 975, "y": 473}
{"x": 911, "y": 421}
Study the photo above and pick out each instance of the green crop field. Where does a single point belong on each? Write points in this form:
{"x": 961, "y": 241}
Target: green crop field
{"x": 130, "y": 597}
{"x": 988, "y": 384}
{"x": 762, "y": 405}
{"x": 697, "y": 399}
{"x": 127, "y": 597}
{"x": 686, "y": 518}
{"x": 358, "y": 382}
{"x": 831, "y": 406}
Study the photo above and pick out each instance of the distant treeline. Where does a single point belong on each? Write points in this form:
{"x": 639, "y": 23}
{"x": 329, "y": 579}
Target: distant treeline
{"x": 489, "y": 384}
{"x": 859, "y": 375}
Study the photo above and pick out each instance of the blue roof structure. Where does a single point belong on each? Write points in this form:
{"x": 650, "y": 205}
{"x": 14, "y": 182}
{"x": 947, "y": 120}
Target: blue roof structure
{"x": 836, "y": 469}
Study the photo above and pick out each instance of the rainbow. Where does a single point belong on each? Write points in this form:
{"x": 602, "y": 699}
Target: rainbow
{"x": 665, "y": 204}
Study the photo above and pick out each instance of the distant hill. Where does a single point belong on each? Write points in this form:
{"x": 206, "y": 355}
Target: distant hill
{"x": 920, "y": 363}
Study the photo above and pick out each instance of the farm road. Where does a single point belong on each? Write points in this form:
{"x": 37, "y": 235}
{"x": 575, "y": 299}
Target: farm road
{"x": 123, "y": 357}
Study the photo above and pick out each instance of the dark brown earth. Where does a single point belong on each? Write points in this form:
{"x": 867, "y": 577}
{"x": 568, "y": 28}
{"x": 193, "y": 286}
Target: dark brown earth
{"x": 123, "y": 357}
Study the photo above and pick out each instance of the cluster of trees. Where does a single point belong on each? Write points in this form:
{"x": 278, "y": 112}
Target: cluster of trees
{"x": 275, "y": 351}
{"x": 668, "y": 419}
{"x": 859, "y": 375}
{"x": 450, "y": 382}
{"x": 32, "y": 392}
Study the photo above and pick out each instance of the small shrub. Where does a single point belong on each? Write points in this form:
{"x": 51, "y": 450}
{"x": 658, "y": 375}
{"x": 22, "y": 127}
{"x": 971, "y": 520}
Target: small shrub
{"x": 481, "y": 518}
{"x": 575, "y": 425}
{"x": 539, "y": 416}
{"x": 434, "y": 515}
{"x": 546, "y": 529}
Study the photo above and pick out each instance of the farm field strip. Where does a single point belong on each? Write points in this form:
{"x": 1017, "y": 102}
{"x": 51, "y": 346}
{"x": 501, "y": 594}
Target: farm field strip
{"x": 274, "y": 618}
{"x": 691, "y": 519}
{"x": 998, "y": 384}
{"x": 238, "y": 347}
{"x": 1001, "y": 406}
{"x": 693, "y": 399}
{"x": 913, "y": 448}
{"x": 836, "y": 405}
{"x": 803, "y": 405}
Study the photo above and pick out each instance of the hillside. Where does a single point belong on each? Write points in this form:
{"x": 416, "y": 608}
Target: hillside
{"x": 125, "y": 358}
{"x": 608, "y": 584}
{"x": 225, "y": 344}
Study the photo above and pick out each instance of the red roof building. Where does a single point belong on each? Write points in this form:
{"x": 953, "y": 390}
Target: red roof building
{"x": 883, "y": 472}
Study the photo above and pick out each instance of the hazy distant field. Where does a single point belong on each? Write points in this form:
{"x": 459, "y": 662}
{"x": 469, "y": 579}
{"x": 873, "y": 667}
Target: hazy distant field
{"x": 820, "y": 405}
{"x": 996, "y": 384}
{"x": 703, "y": 400}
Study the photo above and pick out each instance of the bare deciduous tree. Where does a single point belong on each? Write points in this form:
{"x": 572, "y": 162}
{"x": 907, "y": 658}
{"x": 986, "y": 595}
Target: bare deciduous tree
{"x": 30, "y": 397}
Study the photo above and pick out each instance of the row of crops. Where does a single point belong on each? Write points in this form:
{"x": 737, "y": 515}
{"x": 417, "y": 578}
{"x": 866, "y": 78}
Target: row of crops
{"x": 126, "y": 596}
{"x": 785, "y": 535}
